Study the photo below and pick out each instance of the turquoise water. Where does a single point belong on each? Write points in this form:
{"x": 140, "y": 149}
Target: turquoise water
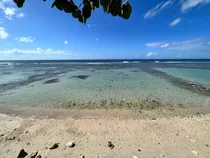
{"x": 102, "y": 85}
{"x": 196, "y": 75}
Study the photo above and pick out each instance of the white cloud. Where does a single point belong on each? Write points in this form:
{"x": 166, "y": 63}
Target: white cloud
{"x": 189, "y": 4}
{"x": 154, "y": 11}
{"x": 37, "y": 51}
{"x": 3, "y": 33}
{"x": 65, "y": 42}
{"x": 164, "y": 45}
{"x": 25, "y": 39}
{"x": 7, "y": 1}
{"x": 175, "y": 22}
{"x": 97, "y": 39}
{"x": 150, "y": 54}
{"x": 20, "y": 15}
{"x": 193, "y": 44}
{"x": 154, "y": 44}
{"x": 9, "y": 13}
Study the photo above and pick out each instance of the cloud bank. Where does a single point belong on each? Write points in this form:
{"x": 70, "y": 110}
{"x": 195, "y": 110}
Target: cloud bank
{"x": 192, "y": 44}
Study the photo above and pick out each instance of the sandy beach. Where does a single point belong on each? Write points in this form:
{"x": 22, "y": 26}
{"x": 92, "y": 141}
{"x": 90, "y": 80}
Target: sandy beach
{"x": 104, "y": 79}
{"x": 91, "y": 130}
{"x": 141, "y": 110}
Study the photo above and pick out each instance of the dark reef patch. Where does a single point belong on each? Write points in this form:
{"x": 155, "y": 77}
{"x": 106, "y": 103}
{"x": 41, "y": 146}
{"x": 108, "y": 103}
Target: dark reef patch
{"x": 119, "y": 73}
{"x": 52, "y": 81}
{"x": 33, "y": 78}
{"x": 6, "y": 73}
{"x": 179, "y": 82}
{"x": 82, "y": 77}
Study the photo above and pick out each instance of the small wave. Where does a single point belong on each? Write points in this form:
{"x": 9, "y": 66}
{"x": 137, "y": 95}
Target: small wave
{"x": 125, "y": 62}
{"x": 18, "y": 64}
{"x": 6, "y": 64}
{"x": 97, "y": 63}
{"x": 3, "y": 63}
{"x": 176, "y": 62}
{"x": 135, "y": 61}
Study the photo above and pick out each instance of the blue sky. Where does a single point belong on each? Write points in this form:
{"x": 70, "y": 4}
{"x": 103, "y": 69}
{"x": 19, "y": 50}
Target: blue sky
{"x": 156, "y": 29}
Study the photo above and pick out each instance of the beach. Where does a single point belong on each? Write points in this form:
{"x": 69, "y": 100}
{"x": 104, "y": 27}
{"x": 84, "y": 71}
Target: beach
{"x": 91, "y": 130}
{"x": 150, "y": 109}
{"x": 104, "y": 79}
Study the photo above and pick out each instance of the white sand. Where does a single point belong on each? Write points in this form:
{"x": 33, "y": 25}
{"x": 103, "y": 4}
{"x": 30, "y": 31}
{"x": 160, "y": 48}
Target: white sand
{"x": 165, "y": 137}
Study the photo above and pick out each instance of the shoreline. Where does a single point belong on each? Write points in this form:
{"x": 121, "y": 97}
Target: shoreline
{"x": 97, "y": 113}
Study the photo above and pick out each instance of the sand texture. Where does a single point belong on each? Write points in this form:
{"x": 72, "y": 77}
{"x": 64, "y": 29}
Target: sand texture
{"x": 173, "y": 137}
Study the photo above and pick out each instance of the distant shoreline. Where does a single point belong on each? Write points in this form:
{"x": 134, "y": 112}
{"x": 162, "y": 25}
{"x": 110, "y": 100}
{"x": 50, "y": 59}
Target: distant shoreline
{"x": 109, "y": 60}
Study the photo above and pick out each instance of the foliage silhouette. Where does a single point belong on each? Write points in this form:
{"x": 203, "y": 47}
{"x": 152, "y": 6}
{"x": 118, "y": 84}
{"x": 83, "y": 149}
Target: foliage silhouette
{"x": 85, "y": 9}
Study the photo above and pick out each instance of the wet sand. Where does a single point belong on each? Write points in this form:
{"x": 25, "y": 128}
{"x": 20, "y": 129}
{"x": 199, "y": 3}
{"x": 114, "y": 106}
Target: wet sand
{"x": 132, "y": 133}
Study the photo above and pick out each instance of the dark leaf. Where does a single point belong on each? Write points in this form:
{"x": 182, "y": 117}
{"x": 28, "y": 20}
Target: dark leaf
{"x": 105, "y": 4}
{"x": 86, "y": 2}
{"x": 19, "y": 3}
{"x": 86, "y": 11}
{"x": 60, "y": 4}
{"x": 80, "y": 18}
{"x": 69, "y": 8}
{"x": 76, "y": 13}
{"x": 119, "y": 4}
{"x": 96, "y": 3}
{"x": 113, "y": 8}
{"x": 127, "y": 9}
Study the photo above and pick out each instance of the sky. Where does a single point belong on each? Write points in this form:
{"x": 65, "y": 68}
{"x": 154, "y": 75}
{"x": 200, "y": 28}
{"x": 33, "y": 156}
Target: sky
{"x": 157, "y": 29}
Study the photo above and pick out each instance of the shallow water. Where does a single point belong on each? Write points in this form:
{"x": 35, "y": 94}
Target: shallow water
{"x": 195, "y": 75}
{"x": 104, "y": 85}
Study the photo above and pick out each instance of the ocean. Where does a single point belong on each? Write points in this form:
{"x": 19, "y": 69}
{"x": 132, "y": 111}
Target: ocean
{"x": 141, "y": 84}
